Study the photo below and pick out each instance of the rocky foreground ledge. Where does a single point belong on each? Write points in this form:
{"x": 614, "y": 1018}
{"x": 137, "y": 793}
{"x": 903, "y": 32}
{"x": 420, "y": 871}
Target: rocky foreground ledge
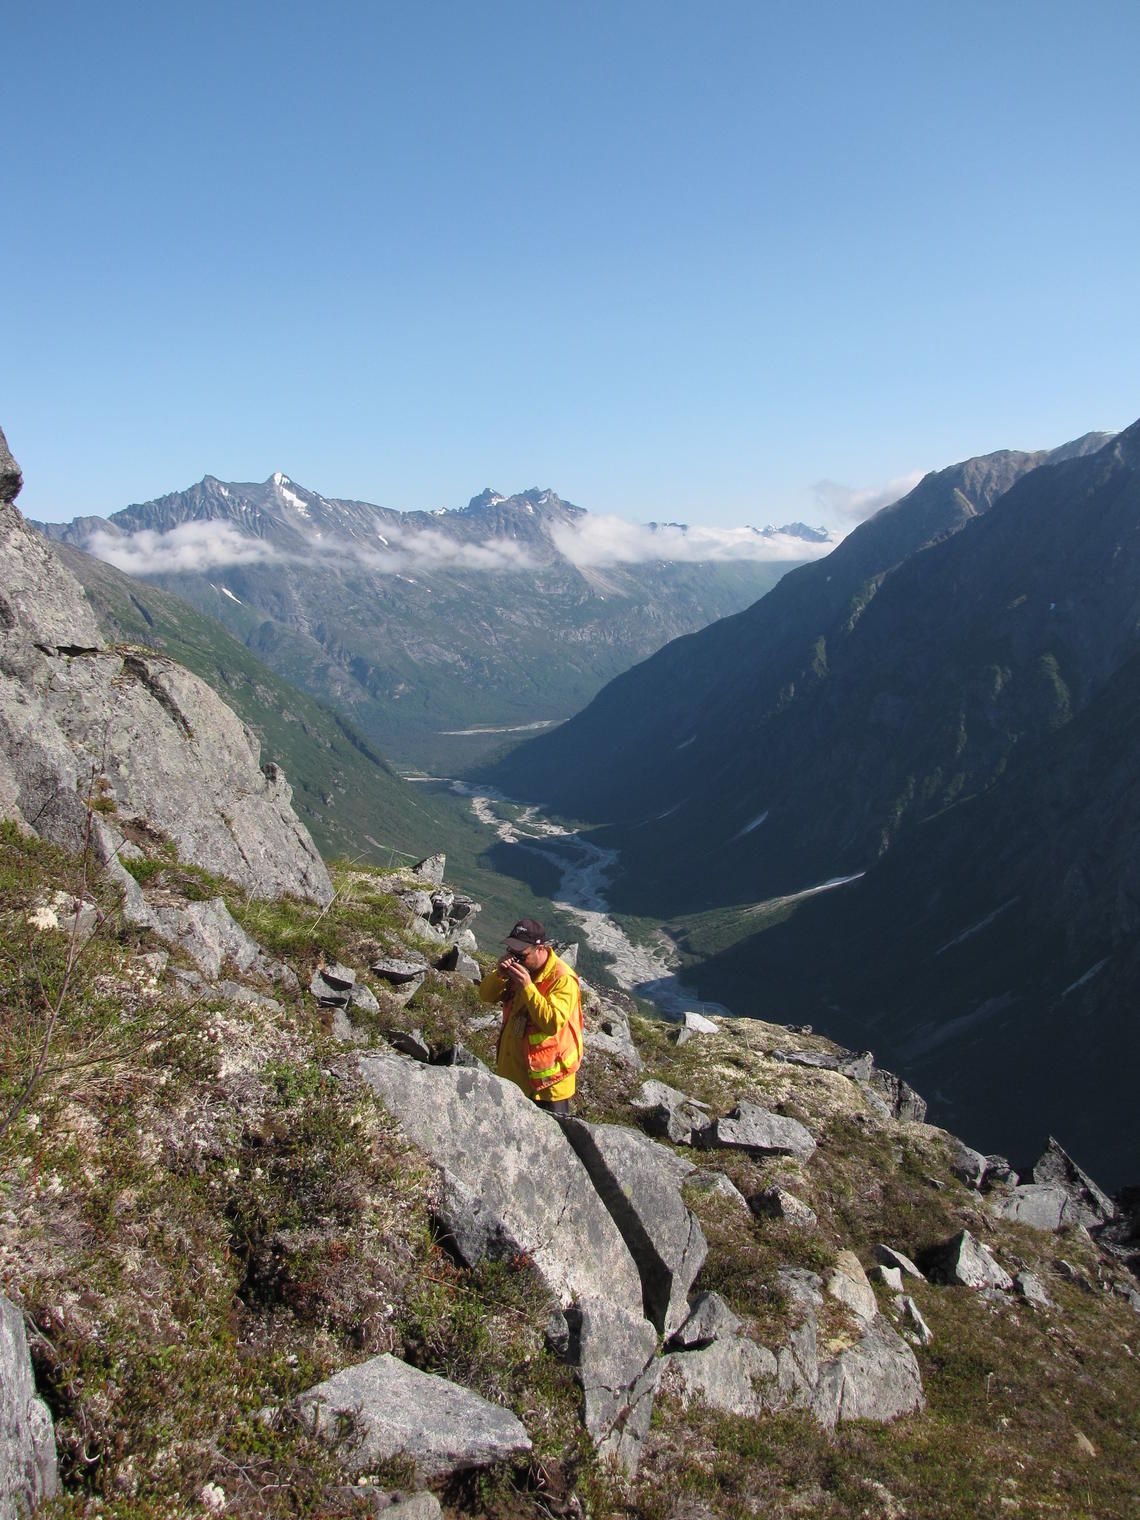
{"x": 718, "y": 1245}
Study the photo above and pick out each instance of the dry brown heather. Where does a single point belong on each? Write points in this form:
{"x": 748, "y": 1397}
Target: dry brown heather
{"x": 202, "y": 1214}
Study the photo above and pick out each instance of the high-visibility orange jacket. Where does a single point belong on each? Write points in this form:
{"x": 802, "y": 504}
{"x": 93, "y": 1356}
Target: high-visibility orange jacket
{"x": 540, "y": 1041}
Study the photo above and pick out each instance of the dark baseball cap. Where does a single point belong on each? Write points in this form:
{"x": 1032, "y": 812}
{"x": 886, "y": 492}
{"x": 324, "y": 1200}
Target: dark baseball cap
{"x": 527, "y": 933}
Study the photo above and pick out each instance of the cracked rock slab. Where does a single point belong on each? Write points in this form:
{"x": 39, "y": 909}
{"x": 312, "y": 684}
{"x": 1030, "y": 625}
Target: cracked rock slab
{"x": 1042, "y": 1205}
{"x": 492, "y": 1145}
{"x": 384, "y": 1408}
{"x": 727, "y": 1374}
{"x": 211, "y": 937}
{"x": 614, "y": 1354}
{"x": 640, "y": 1183}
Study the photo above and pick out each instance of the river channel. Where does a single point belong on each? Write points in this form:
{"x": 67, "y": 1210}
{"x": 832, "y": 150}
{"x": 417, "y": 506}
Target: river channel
{"x": 585, "y": 870}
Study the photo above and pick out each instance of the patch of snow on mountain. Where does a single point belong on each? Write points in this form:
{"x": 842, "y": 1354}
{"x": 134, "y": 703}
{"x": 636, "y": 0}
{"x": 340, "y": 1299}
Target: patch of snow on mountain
{"x": 1088, "y": 976}
{"x": 298, "y": 503}
{"x": 977, "y": 928}
{"x": 748, "y": 827}
{"x": 227, "y": 592}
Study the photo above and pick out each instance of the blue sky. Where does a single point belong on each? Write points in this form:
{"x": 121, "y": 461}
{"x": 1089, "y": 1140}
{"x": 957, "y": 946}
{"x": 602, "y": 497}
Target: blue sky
{"x": 676, "y": 261}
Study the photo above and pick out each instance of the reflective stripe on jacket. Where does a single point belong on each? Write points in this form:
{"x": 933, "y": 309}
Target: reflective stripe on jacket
{"x": 540, "y": 1041}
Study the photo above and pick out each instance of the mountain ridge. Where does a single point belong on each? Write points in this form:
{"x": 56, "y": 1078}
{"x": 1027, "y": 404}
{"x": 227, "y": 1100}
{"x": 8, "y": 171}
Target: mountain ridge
{"x": 427, "y": 630}
{"x": 765, "y": 684}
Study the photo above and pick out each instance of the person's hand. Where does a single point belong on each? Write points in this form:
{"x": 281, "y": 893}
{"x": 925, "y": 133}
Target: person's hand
{"x": 515, "y": 972}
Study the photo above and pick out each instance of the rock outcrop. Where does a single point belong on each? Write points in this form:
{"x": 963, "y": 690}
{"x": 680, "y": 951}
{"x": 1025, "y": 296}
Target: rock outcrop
{"x": 510, "y": 1181}
{"x": 28, "y": 1472}
{"x": 615, "y": 1354}
{"x": 639, "y": 1182}
{"x": 748, "y": 1127}
{"x": 128, "y": 739}
{"x": 1056, "y": 1168}
{"x": 964, "y": 1261}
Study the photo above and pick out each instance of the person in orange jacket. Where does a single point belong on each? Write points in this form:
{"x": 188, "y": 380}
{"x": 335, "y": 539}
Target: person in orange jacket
{"x": 540, "y": 1039}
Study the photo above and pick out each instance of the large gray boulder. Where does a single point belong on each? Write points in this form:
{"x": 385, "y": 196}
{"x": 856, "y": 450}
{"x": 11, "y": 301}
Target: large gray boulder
{"x": 1091, "y": 1206}
{"x": 713, "y": 1361}
{"x": 1043, "y": 1205}
{"x": 614, "y": 1353}
{"x": 499, "y": 1155}
{"x": 384, "y": 1408}
{"x": 845, "y": 1062}
{"x": 640, "y": 1183}
{"x": 876, "y": 1379}
{"x": 967, "y": 1164}
{"x": 963, "y": 1261}
{"x": 752, "y": 1128}
{"x": 669, "y": 1113}
{"x": 28, "y": 1471}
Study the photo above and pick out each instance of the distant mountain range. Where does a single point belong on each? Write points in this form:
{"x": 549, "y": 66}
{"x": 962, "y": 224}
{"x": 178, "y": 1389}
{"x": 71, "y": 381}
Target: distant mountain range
{"x": 439, "y": 633}
{"x": 943, "y": 715}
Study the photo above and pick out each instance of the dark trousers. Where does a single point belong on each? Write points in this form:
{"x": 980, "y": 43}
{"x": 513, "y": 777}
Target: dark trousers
{"x": 562, "y": 1106}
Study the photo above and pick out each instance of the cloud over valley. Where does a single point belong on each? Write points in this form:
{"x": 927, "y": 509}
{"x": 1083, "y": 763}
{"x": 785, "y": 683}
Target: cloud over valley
{"x": 596, "y": 542}
{"x": 591, "y": 542}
